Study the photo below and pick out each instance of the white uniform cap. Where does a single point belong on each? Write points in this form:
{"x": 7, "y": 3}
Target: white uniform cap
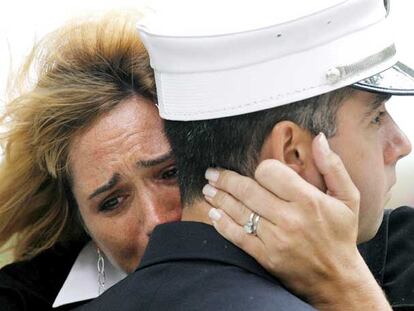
{"x": 221, "y": 58}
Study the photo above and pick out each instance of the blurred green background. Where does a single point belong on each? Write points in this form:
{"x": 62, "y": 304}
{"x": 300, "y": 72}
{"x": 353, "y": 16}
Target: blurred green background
{"x": 5, "y": 257}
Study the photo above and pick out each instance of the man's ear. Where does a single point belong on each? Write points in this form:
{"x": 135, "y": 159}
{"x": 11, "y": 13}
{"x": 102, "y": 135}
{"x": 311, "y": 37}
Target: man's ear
{"x": 290, "y": 144}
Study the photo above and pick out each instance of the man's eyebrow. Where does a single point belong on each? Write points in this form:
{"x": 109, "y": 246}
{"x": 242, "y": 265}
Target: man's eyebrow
{"x": 373, "y": 105}
{"x": 156, "y": 161}
{"x": 379, "y": 99}
{"x": 107, "y": 186}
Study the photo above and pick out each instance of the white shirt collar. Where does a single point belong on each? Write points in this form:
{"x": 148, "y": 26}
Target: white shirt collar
{"x": 82, "y": 281}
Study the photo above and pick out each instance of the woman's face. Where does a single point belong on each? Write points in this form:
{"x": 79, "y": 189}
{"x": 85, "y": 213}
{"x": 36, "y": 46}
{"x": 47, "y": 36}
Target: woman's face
{"x": 124, "y": 180}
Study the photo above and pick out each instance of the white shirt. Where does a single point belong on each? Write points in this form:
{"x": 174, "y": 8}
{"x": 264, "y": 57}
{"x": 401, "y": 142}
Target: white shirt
{"x": 82, "y": 280}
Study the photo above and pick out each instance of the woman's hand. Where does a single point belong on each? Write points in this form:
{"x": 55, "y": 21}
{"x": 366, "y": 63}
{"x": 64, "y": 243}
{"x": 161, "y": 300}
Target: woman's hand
{"x": 305, "y": 237}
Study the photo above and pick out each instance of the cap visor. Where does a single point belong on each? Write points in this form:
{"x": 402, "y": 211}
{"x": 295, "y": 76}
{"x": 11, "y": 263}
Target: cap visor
{"x": 397, "y": 80}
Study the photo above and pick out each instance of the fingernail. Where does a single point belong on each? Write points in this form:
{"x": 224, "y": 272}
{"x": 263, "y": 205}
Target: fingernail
{"x": 214, "y": 214}
{"x": 209, "y": 190}
{"x": 212, "y": 174}
{"x": 323, "y": 143}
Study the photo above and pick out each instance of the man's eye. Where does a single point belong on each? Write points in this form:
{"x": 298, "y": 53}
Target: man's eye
{"x": 111, "y": 204}
{"x": 170, "y": 173}
{"x": 379, "y": 118}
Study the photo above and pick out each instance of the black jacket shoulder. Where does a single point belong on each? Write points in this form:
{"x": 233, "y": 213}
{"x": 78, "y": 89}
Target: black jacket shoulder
{"x": 188, "y": 266}
{"x": 390, "y": 257}
{"x": 398, "y": 280}
{"x": 34, "y": 284}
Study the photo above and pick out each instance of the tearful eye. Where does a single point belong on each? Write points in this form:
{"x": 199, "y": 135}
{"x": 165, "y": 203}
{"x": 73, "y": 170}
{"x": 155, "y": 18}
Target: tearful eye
{"x": 170, "y": 173}
{"x": 111, "y": 204}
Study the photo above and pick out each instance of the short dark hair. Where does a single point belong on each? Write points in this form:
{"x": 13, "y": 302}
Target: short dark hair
{"x": 235, "y": 142}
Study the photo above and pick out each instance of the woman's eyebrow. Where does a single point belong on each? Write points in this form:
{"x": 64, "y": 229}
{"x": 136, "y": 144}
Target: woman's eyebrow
{"x": 156, "y": 161}
{"x": 142, "y": 163}
{"x": 107, "y": 186}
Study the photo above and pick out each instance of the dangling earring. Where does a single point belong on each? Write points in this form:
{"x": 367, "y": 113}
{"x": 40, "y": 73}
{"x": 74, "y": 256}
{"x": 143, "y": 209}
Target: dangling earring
{"x": 101, "y": 272}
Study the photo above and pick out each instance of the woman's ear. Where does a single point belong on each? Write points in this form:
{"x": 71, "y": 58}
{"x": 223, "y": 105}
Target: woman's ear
{"x": 290, "y": 144}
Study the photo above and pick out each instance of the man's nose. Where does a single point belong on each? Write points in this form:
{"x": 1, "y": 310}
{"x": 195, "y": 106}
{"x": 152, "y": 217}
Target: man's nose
{"x": 398, "y": 147}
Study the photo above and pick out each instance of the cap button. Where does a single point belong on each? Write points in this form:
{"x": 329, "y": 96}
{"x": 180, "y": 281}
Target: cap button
{"x": 333, "y": 75}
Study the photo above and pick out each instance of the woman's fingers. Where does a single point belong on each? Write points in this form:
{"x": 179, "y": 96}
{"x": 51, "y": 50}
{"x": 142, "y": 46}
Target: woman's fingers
{"x": 281, "y": 180}
{"x": 271, "y": 246}
{"x": 233, "y": 192}
{"x": 337, "y": 179}
{"x": 304, "y": 234}
{"x": 224, "y": 201}
{"x": 235, "y": 233}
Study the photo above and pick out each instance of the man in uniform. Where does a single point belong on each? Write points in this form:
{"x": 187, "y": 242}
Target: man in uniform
{"x": 260, "y": 83}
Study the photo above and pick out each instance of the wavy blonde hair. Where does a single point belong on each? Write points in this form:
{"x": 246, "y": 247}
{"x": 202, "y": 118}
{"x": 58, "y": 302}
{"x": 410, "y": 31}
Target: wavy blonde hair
{"x": 81, "y": 71}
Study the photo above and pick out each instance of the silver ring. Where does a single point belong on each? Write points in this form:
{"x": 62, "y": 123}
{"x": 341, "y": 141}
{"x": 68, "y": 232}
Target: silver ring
{"x": 255, "y": 223}
{"x": 251, "y": 226}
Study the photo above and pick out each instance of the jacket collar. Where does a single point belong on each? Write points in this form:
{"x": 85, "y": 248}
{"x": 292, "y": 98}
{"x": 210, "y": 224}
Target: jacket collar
{"x": 196, "y": 241}
{"x": 374, "y": 251}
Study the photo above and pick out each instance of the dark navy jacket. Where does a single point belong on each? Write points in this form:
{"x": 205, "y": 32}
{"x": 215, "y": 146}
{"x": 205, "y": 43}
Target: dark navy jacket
{"x": 189, "y": 266}
{"x": 33, "y": 285}
{"x": 390, "y": 257}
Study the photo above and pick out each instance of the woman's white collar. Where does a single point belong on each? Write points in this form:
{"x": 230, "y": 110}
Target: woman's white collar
{"x": 82, "y": 281}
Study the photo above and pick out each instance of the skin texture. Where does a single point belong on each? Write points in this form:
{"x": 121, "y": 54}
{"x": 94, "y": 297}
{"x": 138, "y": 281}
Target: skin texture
{"x": 370, "y": 145}
{"x": 112, "y": 149}
{"x": 368, "y": 142}
{"x": 305, "y": 237}
{"x": 125, "y": 146}
{"x": 315, "y": 210}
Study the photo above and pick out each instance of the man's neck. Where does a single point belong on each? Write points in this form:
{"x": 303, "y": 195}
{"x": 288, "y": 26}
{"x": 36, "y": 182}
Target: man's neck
{"x": 198, "y": 211}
